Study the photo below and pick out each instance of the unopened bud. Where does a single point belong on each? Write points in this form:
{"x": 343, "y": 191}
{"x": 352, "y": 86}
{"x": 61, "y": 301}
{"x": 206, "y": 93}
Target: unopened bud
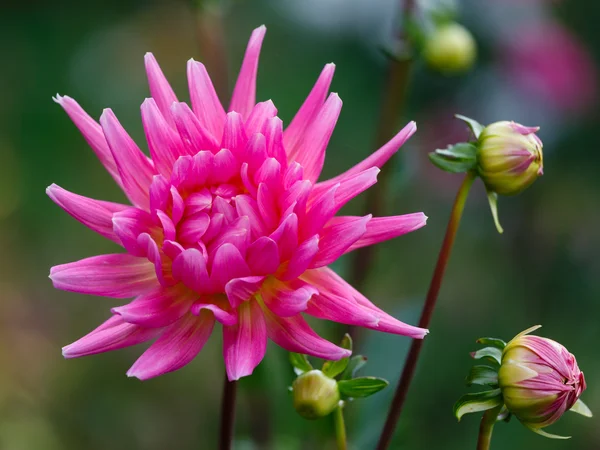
{"x": 539, "y": 380}
{"x": 315, "y": 394}
{"x": 509, "y": 157}
{"x": 450, "y": 49}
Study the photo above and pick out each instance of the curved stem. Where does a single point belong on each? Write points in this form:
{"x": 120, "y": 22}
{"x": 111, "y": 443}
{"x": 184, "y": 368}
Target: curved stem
{"x": 227, "y": 414}
{"x": 434, "y": 288}
{"x": 486, "y": 427}
{"x": 340, "y": 428}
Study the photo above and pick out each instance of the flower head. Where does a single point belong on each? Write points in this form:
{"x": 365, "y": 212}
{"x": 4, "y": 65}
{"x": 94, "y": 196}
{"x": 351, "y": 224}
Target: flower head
{"x": 509, "y": 157}
{"x": 228, "y": 225}
{"x": 539, "y": 380}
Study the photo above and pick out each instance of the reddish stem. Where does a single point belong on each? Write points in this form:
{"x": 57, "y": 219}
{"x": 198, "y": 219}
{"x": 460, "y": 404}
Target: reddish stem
{"x": 227, "y": 414}
{"x": 434, "y": 288}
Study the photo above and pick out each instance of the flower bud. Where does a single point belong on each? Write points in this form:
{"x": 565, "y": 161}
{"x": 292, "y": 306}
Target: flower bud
{"x": 315, "y": 394}
{"x": 509, "y": 157}
{"x": 450, "y": 49}
{"x": 539, "y": 380}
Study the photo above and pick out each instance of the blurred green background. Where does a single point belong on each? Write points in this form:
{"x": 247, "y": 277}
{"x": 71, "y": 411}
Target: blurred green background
{"x": 537, "y": 64}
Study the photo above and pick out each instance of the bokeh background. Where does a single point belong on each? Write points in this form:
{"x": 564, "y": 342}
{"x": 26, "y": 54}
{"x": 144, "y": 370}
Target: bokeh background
{"x": 538, "y": 64}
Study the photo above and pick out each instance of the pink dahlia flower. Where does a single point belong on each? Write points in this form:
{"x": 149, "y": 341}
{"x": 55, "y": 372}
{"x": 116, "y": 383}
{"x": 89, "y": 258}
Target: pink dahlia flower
{"x": 228, "y": 224}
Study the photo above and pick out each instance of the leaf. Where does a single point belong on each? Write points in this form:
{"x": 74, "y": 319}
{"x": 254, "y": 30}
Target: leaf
{"x": 300, "y": 363}
{"x": 334, "y": 368}
{"x": 355, "y": 364}
{"x": 546, "y": 434}
{"x": 491, "y": 353}
{"x": 482, "y": 375}
{"x": 475, "y": 126}
{"x": 494, "y": 342}
{"x": 458, "y": 158}
{"x": 581, "y": 408}
{"x": 476, "y": 402}
{"x": 493, "y": 201}
{"x": 361, "y": 387}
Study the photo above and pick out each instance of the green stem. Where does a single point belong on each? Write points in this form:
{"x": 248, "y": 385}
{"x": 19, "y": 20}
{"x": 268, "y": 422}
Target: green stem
{"x": 340, "y": 428}
{"x": 486, "y": 427}
{"x": 434, "y": 288}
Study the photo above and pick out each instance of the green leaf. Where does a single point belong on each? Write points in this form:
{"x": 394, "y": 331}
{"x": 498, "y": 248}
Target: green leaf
{"x": 494, "y": 342}
{"x": 334, "y": 368}
{"x": 491, "y": 353}
{"x": 475, "y": 126}
{"x": 361, "y": 387}
{"x": 493, "y": 201}
{"x": 482, "y": 375}
{"x": 476, "y": 402}
{"x": 458, "y": 158}
{"x": 581, "y": 408}
{"x": 300, "y": 363}
{"x": 546, "y": 434}
{"x": 355, "y": 364}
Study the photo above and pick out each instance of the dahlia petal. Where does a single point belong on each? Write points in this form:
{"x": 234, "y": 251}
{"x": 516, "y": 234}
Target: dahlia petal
{"x": 157, "y": 308}
{"x": 189, "y": 267}
{"x": 135, "y": 168}
{"x": 214, "y": 227}
{"x": 293, "y": 174}
{"x": 129, "y": 224}
{"x": 117, "y": 276}
{"x": 163, "y": 141}
{"x": 256, "y": 151}
{"x": 262, "y": 256}
{"x": 320, "y": 212}
{"x": 194, "y": 227}
{"x": 176, "y": 347}
{"x": 159, "y": 193}
{"x": 330, "y": 283}
{"x": 377, "y": 159}
{"x": 223, "y": 207}
{"x": 224, "y": 317}
{"x": 113, "y": 334}
{"x": 294, "y": 134}
{"x": 203, "y": 166}
{"x": 160, "y": 89}
{"x": 287, "y": 299}
{"x": 259, "y": 116}
{"x": 228, "y": 264}
{"x": 225, "y": 167}
{"x": 194, "y": 135}
{"x": 236, "y": 233}
{"x": 172, "y": 249}
{"x": 295, "y": 335}
{"x": 341, "y": 310}
{"x": 301, "y": 259}
{"x": 234, "y": 135}
{"x": 268, "y": 173}
{"x": 94, "y": 214}
{"x": 337, "y": 237}
{"x": 245, "y": 176}
{"x": 92, "y": 133}
{"x": 247, "y": 206}
{"x": 286, "y": 236}
{"x": 245, "y": 344}
{"x": 177, "y": 205}
{"x": 381, "y": 229}
{"x": 239, "y": 290}
{"x": 244, "y": 93}
{"x": 205, "y": 101}
{"x": 168, "y": 227}
{"x": 273, "y": 131}
{"x": 198, "y": 202}
{"x": 353, "y": 185}
{"x": 267, "y": 206}
{"x": 153, "y": 254}
{"x": 317, "y": 137}
{"x": 296, "y": 198}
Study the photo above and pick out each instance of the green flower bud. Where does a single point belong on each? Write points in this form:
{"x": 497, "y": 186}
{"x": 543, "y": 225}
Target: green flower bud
{"x": 315, "y": 394}
{"x": 509, "y": 157}
{"x": 450, "y": 49}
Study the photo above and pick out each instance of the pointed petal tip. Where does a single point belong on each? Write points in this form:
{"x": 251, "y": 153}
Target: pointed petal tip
{"x": 58, "y": 99}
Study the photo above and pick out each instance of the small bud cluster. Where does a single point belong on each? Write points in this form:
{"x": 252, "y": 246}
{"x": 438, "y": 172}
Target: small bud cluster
{"x": 533, "y": 378}
{"x": 317, "y": 393}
